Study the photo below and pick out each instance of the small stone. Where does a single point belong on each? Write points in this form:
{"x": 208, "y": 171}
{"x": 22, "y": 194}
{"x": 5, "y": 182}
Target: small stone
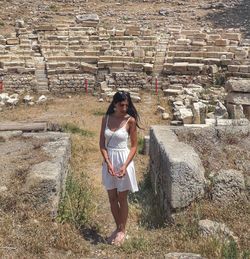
{"x": 3, "y": 189}
{"x": 165, "y": 116}
{"x": 42, "y": 99}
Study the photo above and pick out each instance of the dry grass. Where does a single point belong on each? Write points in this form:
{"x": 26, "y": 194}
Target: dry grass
{"x": 30, "y": 232}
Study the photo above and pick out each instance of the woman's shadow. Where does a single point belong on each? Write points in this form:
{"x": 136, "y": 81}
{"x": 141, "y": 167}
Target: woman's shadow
{"x": 91, "y": 234}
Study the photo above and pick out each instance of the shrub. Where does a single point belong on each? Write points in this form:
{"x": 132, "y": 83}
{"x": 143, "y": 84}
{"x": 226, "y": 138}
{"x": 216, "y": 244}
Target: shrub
{"x": 76, "y": 205}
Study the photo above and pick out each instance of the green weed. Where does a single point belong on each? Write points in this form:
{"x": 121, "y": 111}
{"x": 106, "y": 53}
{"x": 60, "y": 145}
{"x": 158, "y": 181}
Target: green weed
{"x": 53, "y": 8}
{"x": 99, "y": 113}
{"x": 230, "y": 250}
{"x": 151, "y": 214}
{"x": 140, "y": 144}
{"x": 135, "y": 245}
{"x": 76, "y": 205}
{"x": 72, "y": 128}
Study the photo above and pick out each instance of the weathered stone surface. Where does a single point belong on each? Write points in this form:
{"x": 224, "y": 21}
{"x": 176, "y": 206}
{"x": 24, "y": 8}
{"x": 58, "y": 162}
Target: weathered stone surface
{"x": 232, "y": 122}
{"x": 235, "y": 111}
{"x": 165, "y": 116}
{"x": 212, "y": 228}
{"x": 242, "y": 85}
{"x": 238, "y": 98}
{"x": 183, "y": 256}
{"x": 176, "y": 170}
{"x": 172, "y": 92}
{"x": 228, "y": 186}
{"x": 87, "y": 17}
{"x": 185, "y": 114}
{"x": 49, "y": 176}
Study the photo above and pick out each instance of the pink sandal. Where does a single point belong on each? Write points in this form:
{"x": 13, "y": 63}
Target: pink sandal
{"x": 120, "y": 238}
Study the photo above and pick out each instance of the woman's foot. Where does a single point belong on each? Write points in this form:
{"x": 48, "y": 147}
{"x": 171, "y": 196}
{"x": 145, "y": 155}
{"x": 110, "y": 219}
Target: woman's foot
{"x": 120, "y": 238}
{"x": 112, "y": 237}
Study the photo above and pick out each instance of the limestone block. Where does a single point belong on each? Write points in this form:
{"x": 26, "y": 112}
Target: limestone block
{"x": 213, "y": 37}
{"x": 233, "y": 68}
{"x": 241, "y": 53}
{"x": 47, "y": 179}
{"x": 148, "y": 67}
{"x": 235, "y": 111}
{"x": 211, "y": 121}
{"x": 228, "y": 186}
{"x": 186, "y": 115}
{"x": 183, "y": 41}
{"x": 212, "y": 228}
{"x": 139, "y": 53}
{"x": 196, "y": 113}
{"x": 197, "y": 68}
{"x": 85, "y": 67}
{"x": 246, "y": 109}
{"x": 176, "y": 170}
{"x": 199, "y": 110}
{"x": 180, "y": 67}
{"x": 232, "y": 36}
{"x": 199, "y": 54}
{"x": 172, "y": 92}
{"x": 238, "y": 98}
{"x": 165, "y": 116}
{"x": 211, "y": 61}
{"x": 87, "y": 18}
{"x": 183, "y": 256}
{"x": 232, "y": 122}
{"x": 222, "y": 42}
{"x": 198, "y": 43}
{"x": 213, "y": 69}
{"x": 45, "y": 27}
{"x": 135, "y": 98}
{"x": 242, "y": 85}
{"x": 12, "y": 41}
{"x": 176, "y": 86}
{"x": 243, "y": 68}
{"x": 168, "y": 66}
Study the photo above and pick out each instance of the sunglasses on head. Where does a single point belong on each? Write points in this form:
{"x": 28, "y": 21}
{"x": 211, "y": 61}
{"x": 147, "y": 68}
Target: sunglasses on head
{"x": 124, "y": 93}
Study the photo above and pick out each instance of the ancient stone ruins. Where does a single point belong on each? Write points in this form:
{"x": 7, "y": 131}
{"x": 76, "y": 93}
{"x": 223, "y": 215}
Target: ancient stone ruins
{"x": 190, "y": 66}
{"x": 203, "y": 73}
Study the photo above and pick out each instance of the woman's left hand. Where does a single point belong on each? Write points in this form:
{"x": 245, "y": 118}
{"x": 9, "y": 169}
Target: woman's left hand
{"x": 122, "y": 171}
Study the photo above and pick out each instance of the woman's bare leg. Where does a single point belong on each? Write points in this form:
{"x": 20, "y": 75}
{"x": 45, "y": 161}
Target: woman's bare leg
{"x": 123, "y": 211}
{"x": 114, "y": 205}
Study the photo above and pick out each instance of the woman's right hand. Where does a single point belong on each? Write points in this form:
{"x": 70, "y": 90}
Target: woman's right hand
{"x": 111, "y": 169}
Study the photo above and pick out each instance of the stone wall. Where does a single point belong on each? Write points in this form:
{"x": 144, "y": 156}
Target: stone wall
{"x": 131, "y": 80}
{"x": 70, "y": 83}
{"x": 19, "y": 82}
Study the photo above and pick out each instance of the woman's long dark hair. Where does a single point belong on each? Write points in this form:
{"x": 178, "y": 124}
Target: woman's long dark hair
{"x": 120, "y": 97}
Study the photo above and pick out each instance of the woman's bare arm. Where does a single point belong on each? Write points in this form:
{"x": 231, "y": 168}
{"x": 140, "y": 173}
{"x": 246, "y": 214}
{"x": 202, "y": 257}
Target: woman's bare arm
{"x": 103, "y": 148}
{"x": 133, "y": 147}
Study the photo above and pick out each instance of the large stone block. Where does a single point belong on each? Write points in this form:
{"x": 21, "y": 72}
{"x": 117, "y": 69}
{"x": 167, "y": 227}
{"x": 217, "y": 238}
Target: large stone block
{"x": 176, "y": 170}
{"x": 228, "y": 186}
{"x": 242, "y": 85}
{"x": 238, "y": 98}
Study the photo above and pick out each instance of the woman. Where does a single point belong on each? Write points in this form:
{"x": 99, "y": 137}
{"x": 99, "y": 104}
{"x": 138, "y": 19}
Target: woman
{"x": 118, "y": 172}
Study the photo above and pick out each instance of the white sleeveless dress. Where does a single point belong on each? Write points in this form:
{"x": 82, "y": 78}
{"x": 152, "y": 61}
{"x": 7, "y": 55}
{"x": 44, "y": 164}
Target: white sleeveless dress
{"x": 116, "y": 144}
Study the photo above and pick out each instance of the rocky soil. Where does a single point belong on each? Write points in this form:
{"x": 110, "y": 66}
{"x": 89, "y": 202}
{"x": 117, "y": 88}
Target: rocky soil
{"x": 192, "y": 14}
